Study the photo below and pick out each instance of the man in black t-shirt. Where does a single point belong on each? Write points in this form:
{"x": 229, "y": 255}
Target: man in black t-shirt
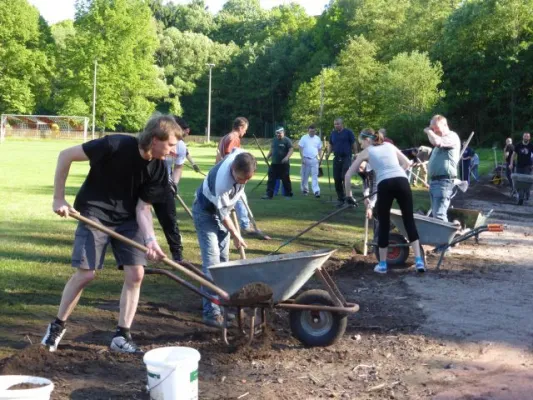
{"x": 508, "y": 153}
{"x": 126, "y": 175}
{"x": 522, "y": 155}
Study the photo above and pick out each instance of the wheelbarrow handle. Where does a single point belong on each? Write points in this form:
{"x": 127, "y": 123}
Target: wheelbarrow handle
{"x": 495, "y": 227}
{"x": 144, "y": 249}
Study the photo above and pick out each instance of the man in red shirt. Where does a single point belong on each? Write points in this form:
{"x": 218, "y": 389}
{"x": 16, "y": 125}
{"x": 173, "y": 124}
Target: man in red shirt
{"x": 229, "y": 142}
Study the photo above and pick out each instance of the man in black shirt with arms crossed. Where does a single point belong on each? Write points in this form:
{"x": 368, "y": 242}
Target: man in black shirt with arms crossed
{"x": 126, "y": 175}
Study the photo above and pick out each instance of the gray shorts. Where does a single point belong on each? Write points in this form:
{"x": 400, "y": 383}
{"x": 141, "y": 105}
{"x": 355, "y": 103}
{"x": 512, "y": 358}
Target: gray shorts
{"x": 90, "y": 246}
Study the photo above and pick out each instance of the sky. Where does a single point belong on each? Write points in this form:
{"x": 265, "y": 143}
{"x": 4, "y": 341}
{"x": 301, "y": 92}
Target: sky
{"x": 57, "y": 10}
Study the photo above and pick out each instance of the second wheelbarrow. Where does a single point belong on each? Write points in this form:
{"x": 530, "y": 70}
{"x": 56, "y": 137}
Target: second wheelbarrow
{"x": 431, "y": 231}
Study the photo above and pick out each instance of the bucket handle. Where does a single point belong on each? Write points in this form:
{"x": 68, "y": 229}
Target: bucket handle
{"x": 149, "y": 389}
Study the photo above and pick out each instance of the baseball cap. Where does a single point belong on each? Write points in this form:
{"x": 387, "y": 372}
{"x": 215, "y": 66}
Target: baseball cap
{"x": 280, "y": 129}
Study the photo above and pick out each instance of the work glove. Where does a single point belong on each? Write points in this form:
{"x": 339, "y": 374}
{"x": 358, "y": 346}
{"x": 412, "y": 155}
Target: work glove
{"x": 351, "y": 201}
{"x": 173, "y": 186}
{"x": 196, "y": 168}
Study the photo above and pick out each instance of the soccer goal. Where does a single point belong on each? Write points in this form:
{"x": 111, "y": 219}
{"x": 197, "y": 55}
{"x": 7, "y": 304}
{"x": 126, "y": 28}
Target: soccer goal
{"x": 43, "y": 127}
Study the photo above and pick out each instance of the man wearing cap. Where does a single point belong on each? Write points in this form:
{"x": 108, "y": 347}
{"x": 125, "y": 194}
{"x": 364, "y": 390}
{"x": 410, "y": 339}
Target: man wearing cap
{"x": 442, "y": 166}
{"x": 281, "y": 151}
{"x": 310, "y": 145}
{"x": 342, "y": 144}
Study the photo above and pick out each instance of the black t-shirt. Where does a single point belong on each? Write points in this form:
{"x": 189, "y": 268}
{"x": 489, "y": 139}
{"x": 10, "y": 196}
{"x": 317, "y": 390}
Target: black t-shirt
{"x": 118, "y": 177}
{"x": 509, "y": 148}
{"x": 523, "y": 154}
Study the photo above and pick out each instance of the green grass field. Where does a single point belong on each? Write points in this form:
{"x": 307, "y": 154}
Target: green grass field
{"x": 35, "y": 244}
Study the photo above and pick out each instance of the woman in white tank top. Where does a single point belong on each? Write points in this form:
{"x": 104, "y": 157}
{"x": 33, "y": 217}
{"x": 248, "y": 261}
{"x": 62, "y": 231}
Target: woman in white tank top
{"x": 389, "y": 165}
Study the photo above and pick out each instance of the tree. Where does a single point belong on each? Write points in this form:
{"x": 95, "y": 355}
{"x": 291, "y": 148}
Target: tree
{"x": 25, "y": 57}
{"x": 484, "y": 51}
{"x": 183, "y": 57}
{"x": 193, "y": 17}
{"x": 409, "y": 92}
{"x": 121, "y": 35}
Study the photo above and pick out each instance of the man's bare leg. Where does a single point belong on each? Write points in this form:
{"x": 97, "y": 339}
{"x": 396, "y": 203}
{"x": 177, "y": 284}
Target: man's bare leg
{"x": 131, "y": 290}
{"x": 72, "y": 292}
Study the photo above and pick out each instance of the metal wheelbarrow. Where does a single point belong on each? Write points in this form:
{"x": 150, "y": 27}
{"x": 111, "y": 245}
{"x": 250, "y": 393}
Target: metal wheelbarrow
{"x": 317, "y": 317}
{"x": 522, "y": 184}
{"x": 431, "y": 231}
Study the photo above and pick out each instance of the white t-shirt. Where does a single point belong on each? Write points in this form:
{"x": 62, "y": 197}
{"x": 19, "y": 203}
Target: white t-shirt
{"x": 310, "y": 145}
{"x": 181, "y": 153}
{"x": 179, "y": 158}
{"x": 384, "y": 161}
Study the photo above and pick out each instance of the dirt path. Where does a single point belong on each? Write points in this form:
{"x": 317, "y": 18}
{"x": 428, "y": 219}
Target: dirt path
{"x": 464, "y": 332}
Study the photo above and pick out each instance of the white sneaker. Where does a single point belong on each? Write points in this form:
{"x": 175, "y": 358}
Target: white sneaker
{"x": 380, "y": 269}
{"x": 53, "y": 336}
{"x": 123, "y": 345}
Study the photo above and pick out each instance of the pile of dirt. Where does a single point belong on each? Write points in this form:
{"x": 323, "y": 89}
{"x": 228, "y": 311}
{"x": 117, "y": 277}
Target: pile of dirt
{"x": 252, "y": 293}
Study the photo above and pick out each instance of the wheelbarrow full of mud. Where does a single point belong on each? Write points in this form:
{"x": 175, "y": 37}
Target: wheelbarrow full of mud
{"x": 432, "y": 232}
{"x": 317, "y": 317}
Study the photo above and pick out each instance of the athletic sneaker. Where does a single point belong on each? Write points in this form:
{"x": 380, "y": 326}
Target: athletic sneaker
{"x": 380, "y": 269}
{"x": 317, "y": 195}
{"x": 305, "y": 193}
{"x": 419, "y": 264}
{"x": 53, "y": 335}
{"x": 123, "y": 345}
{"x": 266, "y": 197}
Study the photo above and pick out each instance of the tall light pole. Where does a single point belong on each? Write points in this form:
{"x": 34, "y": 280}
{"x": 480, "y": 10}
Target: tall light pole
{"x": 94, "y": 93}
{"x": 209, "y": 104}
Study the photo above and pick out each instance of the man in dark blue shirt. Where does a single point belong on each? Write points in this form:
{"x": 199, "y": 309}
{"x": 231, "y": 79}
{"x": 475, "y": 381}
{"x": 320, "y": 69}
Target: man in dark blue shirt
{"x": 342, "y": 143}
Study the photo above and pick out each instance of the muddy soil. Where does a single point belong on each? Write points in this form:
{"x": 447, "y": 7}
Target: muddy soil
{"x": 463, "y": 332}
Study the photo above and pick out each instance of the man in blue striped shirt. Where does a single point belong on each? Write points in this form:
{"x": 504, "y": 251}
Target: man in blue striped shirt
{"x": 215, "y": 198}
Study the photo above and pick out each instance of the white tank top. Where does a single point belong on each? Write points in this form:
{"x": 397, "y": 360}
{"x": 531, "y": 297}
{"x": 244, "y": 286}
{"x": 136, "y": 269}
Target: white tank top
{"x": 384, "y": 162}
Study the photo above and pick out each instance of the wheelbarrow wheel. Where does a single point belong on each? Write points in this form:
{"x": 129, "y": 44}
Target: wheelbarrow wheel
{"x": 317, "y": 328}
{"x": 396, "y": 256}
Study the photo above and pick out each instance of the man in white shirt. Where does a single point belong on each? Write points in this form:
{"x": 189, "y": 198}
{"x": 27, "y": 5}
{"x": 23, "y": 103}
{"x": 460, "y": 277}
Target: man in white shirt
{"x": 310, "y": 146}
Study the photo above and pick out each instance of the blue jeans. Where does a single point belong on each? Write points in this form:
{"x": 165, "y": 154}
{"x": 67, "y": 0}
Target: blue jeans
{"x": 242, "y": 214}
{"x": 440, "y": 193}
{"x": 214, "y": 239}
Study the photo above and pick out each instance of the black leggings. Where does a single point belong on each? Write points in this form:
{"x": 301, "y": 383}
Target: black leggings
{"x": 388, "y": 190}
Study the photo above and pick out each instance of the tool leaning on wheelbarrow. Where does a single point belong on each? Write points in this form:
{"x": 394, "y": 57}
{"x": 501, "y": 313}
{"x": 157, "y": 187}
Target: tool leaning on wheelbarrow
{"x": 431, "y": 231}
{"x": 317, "y": 317}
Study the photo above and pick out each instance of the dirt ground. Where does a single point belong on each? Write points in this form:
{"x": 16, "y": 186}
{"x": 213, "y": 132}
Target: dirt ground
{"x": 463, "y": 332}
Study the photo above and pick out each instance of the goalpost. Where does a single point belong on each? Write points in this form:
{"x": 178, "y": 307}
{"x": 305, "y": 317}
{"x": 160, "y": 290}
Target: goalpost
{"x": 43, "y": 127}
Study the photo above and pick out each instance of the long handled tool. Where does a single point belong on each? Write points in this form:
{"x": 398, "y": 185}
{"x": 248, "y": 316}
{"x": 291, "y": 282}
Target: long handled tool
{"x": 237, "y": 226}
{"x": 258, "y": 231}
{"x": 365, "y": 243}
{"x": 200, "y": 172}
{"x": 261, "y": 150}
{"x": 184, "y": 205}
{"x": 320, "y": 169}
{"x": 343, "y": 208}
{"x": 191, "y": 274}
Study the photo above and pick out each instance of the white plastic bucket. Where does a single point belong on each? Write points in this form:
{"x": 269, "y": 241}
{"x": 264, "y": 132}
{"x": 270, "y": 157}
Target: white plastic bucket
{"x": 37, "y": 393}
{"x": 172, "y": 373}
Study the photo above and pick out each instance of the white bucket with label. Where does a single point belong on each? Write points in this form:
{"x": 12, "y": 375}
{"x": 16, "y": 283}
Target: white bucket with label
{"x": 172, "y": 373}
{"x": 41, "y": 392}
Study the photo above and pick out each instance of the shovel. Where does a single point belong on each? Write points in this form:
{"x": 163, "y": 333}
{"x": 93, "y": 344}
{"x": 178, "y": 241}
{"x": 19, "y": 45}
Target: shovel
{"x": 258, "y": 231}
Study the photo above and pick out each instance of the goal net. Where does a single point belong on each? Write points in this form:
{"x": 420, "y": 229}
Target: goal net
{"x": 43, "y": 127}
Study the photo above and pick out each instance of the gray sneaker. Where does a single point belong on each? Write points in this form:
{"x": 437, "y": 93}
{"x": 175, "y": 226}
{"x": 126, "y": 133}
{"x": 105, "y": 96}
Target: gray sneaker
{"x": 53, "y": 336}
{"x": 122, "y": 345}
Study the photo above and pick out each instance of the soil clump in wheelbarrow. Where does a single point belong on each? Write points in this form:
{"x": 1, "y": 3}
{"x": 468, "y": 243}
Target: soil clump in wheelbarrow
{"x": 24, "y": 386}
{"x": 252, "y": 294}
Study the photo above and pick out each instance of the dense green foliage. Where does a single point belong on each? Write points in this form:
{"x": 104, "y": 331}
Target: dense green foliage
{"x": 373, "y": 62}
